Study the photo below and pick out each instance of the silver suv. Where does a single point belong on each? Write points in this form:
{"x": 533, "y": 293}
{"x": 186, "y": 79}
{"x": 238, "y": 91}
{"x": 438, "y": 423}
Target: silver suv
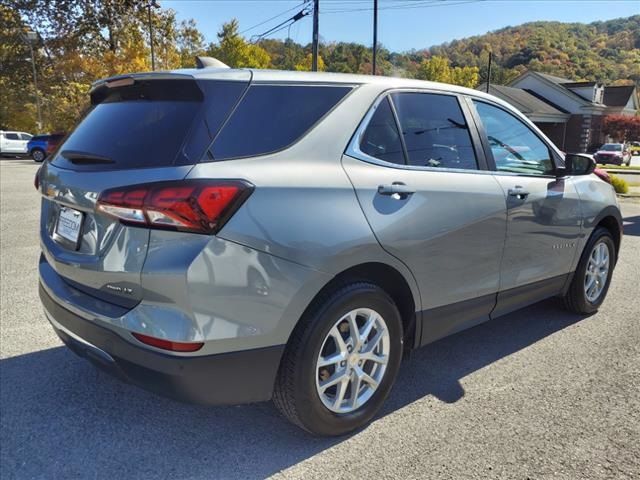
{"x": 225, "y": 236}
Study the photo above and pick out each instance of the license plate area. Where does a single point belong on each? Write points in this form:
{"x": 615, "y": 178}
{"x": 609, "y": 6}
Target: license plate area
{"x": 68, "y": 227}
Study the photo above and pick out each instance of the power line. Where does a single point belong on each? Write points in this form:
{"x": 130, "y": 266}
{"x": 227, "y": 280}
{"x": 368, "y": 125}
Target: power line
{"x": 289, "y": 1}
{"x": 282, "y": 25}
{"x": 273, "y": 18}
{"x": 404, "y": 6}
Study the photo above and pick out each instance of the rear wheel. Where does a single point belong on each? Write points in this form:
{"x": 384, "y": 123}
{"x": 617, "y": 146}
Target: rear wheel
{"x": 341, "y": 361}
{"x": 591, "y": 280}
{"x": 37, "y": 155}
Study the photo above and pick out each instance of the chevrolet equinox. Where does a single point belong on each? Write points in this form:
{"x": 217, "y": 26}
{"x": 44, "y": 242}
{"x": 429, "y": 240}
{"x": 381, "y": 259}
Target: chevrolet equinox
{"x": 225, "y": 236}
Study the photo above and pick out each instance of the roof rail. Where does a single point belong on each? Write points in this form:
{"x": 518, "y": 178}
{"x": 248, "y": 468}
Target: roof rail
{"x": 210, "y": 62}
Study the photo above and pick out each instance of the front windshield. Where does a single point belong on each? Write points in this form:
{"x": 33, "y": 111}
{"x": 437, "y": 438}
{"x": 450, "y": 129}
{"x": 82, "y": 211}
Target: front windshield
{"x": 611, "y": 147}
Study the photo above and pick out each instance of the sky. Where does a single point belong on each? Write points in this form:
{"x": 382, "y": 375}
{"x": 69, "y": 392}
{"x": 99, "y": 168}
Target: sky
{"x": 402, "y": 24}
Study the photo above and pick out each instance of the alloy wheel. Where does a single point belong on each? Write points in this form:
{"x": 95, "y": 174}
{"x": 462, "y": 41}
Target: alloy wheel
{"x": 38, "y": 156}
{"x": 353, "y": 360}
{"x": 597, "y": 272}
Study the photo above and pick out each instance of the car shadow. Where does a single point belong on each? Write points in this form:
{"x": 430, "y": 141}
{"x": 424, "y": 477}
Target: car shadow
{"x": 62, "y": 418}
{"x": 18, "y": 161}
{"x": 631, "y": 225}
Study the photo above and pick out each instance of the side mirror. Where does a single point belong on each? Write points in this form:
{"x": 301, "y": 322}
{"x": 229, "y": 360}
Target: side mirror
{"x": 577, "y": 164}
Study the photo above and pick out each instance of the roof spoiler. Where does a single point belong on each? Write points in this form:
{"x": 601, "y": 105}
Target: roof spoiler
{"x": 210, "y": 62}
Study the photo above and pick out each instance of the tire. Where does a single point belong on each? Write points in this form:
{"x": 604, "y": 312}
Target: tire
{"x": 38, "y": 155}
{"x": 297, "y": 388}
{"x": 576, "y": 299}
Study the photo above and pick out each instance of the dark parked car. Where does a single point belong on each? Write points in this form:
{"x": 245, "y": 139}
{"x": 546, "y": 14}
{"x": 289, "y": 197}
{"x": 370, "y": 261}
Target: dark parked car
{"x": 613, "y": 153}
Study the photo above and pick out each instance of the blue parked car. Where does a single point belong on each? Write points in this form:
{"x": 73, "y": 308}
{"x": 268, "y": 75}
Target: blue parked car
{"x": 37, "y": 147}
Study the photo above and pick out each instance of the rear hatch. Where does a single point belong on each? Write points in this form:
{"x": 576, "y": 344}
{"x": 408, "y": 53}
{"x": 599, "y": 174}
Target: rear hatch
{"x": 139, "y": 129}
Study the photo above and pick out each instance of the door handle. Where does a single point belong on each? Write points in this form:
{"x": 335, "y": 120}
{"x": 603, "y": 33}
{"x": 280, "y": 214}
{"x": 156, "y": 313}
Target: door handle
{"x": 518, "y": 192}
{"x": 396, "y": 190}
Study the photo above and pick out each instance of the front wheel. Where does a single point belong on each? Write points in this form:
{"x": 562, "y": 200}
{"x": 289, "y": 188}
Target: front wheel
{"x": 341, "y": 361}
{"x": 591, "y": 279}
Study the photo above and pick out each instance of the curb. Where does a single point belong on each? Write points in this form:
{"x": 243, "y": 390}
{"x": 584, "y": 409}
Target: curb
{"x": 622, "y": 171}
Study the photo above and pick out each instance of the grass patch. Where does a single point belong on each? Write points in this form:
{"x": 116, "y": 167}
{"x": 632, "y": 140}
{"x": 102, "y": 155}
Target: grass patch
{"x": 619, "y": 167}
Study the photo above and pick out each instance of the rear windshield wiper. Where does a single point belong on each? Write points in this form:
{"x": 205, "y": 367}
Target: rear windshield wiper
{"x": 78, "y": 157}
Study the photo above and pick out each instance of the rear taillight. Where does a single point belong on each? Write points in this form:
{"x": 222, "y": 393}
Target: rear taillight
{"x": 167, "y": 344}
{"x": 36, "y": 179}
{"x": 200, "y": 206}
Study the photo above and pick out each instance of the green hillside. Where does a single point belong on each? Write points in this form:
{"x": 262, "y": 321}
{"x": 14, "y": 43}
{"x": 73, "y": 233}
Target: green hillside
{"x": 604, "y": 51}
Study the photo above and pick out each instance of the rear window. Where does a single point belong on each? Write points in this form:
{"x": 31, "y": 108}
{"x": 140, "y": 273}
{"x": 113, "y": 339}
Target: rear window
{"x": 146, "y": 125}
{"x": 272, "y": 117}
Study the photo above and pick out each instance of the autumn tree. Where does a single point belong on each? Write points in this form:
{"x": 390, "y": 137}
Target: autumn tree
{"x": 235, "y": 51}
{"x": 79, "y": 43}
{"x": 437, "y": 69}
{"x": 306, "y": 64}
{"x": 17, "y": 92}
{"x": 190, "y": 43}
{"x": 621, "y": 127}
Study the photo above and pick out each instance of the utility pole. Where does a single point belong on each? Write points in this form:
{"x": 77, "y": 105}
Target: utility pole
{"x": 314, "y": 54}
{"x": 375, "y": 34}
{"x": 489, "y": 72}
{"x": 154, "y": 4}
{"x": 32, "y": 37}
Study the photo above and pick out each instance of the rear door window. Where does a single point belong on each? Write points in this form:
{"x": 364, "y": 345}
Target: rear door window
{"x": 435, "y": 131}
{"x": 12, "y": 136}
{"x": 272, "y": 117}
{"x": 381, "y": 139}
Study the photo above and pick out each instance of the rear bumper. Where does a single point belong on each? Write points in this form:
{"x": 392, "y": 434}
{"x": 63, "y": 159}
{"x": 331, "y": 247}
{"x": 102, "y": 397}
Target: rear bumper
{"x": 227, "y": 378}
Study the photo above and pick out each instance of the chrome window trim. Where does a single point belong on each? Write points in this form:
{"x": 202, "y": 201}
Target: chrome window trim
{"x": 353, "y": 149}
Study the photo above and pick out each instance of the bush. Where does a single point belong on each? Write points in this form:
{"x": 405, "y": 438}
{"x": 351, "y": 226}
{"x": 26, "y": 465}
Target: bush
{"x": 619, "y": 184}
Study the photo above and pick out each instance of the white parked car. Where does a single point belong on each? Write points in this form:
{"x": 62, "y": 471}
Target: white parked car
{"x": 14, "y": 142}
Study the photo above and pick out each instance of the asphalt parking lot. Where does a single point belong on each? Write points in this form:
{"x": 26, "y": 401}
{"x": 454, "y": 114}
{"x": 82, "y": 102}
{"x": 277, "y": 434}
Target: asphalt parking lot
{"x": 539, "y": 393}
